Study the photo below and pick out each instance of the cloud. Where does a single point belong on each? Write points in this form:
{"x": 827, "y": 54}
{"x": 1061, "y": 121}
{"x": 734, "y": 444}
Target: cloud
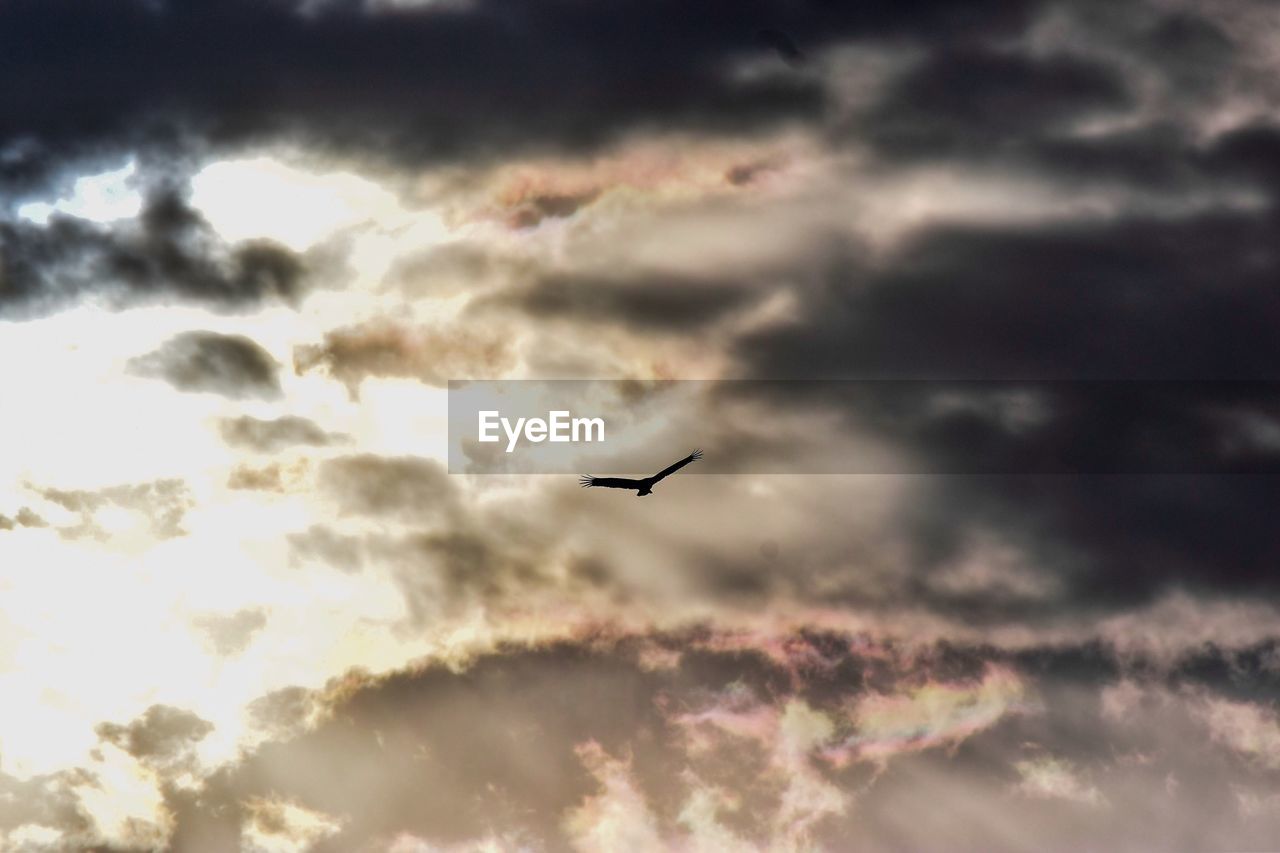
{"x": 272, "y": 436}
{"x": 580, "y": 742}
{"x": 1050, "y": 777}
{"x": 278, "y": 825}
{"x": 160, "y": 735}
{"x": 387, "y": 348}
{"x": 344, "y": 553}
{"x": 274, "y": 477}
{"x": 163, "y": 504}
{"x": 423, "y": 83}
{"x": 230, "y": 635}
{"x": 231, "y": 365}
{"x": 167, "y": 253}
{"x": 1137, "y": 301}
{"x": 366, "y": 484}
{"x": 534, "y": 208}
{"x": 970, "y": 200}
{"x": 24, "y": 517}
{"x": 952, "y": 304}
{"x": 959, "y": 100}
{"x": 41, "y": 811}
{"x": 1246, "y": 728}
{"x": 929, "y": 716}
{"x": 653, "y": 303}
{"x": 617, "y": 817}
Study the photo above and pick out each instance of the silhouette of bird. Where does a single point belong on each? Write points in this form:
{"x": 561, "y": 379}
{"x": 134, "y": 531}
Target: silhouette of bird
{"x": 782, "y": 45}
{"x": 642, "y": 487}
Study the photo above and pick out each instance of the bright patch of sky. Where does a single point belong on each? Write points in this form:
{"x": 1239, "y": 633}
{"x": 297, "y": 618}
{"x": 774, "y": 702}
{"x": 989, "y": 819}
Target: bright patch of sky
{"x": 103, "y": 197}
{"x": 265, "y": 198}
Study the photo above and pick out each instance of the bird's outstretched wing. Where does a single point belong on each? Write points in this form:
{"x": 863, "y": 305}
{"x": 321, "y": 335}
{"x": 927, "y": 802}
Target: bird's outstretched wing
{"x": 671, "y": 469}
{"x": 608, "y": 482}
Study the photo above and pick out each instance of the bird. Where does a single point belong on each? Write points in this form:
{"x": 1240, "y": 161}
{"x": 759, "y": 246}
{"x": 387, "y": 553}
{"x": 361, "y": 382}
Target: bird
{"x": 642, "y": 487}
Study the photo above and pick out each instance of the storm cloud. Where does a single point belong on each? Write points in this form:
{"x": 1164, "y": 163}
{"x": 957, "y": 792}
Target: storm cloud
{"x": 421, "y": 84}
{"x": 168, "y": 254}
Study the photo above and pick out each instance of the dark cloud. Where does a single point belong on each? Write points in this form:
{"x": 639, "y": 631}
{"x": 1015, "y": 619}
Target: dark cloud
{"x": 484, "y": 78}
{"x": 1119, "y": 541}
{"x": 1118, "y": 98}
{"x": 975, "y": 427}
{"x": 1194, "y": 52}
{"x": 168, "y": 253}
{"x": 959, "y": 101}
{"x": 651, "y": 303}
{"x": 1250, "y": 153}
{"x": 272, "y": 436}
{"x": 781, "y": 44}
{"x": 1131, "y": 299}
{"x": 231, "y": 365}
{"x": 1097, "y": 308}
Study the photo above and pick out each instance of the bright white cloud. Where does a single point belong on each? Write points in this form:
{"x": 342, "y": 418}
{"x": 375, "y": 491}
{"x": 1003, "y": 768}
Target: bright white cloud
{"x": 1052, "y": 778}
{"x": 265, "y": 198}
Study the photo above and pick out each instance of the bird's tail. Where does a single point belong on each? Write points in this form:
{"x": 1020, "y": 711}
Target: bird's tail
{"x": 586, "y": 480}
{"x": 695, "y": 455}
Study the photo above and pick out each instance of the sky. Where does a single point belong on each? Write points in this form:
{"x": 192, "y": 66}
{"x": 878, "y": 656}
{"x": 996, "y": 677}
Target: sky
{"x": 246, "y": 244}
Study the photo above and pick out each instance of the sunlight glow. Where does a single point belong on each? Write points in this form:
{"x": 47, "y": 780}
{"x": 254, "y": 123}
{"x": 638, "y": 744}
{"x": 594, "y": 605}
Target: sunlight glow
{"x": 265, "y": 198}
